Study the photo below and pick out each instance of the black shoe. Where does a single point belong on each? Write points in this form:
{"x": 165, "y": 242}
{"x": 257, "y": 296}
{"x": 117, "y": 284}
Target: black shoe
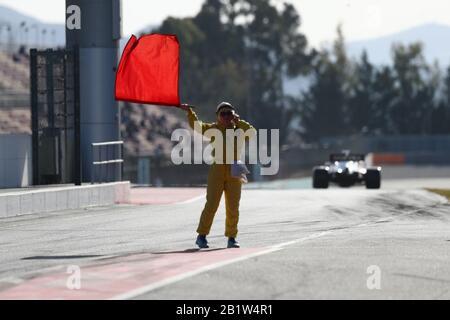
{"x": 232, "y": 243}
{"x": 202, "y": 242}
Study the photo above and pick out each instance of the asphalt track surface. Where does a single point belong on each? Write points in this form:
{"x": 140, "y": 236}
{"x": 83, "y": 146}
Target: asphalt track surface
{"x": 296, "y": 244}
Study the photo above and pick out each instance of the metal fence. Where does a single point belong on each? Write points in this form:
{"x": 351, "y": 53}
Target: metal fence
{"x": 391, "y": 143}
{"x": 14, "y": 99}
{"x": 55, "y": 113}
{"x": 106, "y": 159}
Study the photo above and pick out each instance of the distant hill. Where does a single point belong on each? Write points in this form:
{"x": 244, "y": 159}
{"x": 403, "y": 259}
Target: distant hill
{"x": 35, "y": 27}
{"x": 14, "y": 19}
{"x": 13, "y": 16}
{"x": 435, "y": 37}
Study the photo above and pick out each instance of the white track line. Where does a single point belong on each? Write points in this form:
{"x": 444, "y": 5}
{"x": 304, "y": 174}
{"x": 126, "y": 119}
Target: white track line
{"x": 313, "y": 236}
{"x": 145, "y": 289}
{"x": 191, "y": 199}
{"x": 142, "y": 290}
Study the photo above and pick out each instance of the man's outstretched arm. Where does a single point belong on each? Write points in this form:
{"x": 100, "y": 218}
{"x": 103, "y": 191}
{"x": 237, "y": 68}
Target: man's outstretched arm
{"x": 192, "y": 118}
{"x": 244, "y": 125}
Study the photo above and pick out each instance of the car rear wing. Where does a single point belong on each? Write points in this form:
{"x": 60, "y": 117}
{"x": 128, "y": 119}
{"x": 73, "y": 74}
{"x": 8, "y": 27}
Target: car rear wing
{"x": 347, "y": 157}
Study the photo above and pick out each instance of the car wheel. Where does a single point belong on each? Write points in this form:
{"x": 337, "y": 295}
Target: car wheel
{"x": 320, "y": 179}
{"x": 373, "y": 179}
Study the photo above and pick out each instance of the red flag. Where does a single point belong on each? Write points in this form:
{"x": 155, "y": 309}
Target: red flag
{"x": 149, "y": 70}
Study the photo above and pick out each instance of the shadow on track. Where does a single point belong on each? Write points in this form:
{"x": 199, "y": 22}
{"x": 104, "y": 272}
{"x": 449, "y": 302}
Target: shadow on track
{"x": 193, "y": 250}
{"x": 61, "y": 257}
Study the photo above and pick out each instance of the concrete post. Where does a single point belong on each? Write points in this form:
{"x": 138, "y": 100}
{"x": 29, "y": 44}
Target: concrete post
{"x": 95, "y": 27}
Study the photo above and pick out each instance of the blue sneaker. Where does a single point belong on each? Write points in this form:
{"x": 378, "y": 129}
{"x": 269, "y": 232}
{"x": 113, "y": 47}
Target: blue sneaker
{"x": 232, "y": 243}
{"x": 202, "y": 242}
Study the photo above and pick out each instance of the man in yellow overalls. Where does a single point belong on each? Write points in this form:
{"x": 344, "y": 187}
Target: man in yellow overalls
{"x": 220, "y": 179}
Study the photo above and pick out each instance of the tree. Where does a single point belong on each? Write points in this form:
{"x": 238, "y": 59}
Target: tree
{"x": 361, "y": 97}
{"x": 323, "y": 106}
{"x": 385, "y": 97}
{"x": 241, "y": 51}
{"x": 440, "y": 117}
{"x": 416, "y": 91}
{"x": 275, "y": 50}
{"x": 190, "y": 37}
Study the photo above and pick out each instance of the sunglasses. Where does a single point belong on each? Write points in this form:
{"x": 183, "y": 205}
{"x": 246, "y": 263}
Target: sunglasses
{"x": 226, "y": 113}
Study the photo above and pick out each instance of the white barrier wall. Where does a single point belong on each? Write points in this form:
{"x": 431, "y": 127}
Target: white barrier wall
{"x": 61, "y": 198}
{"x": 15, "y": 160}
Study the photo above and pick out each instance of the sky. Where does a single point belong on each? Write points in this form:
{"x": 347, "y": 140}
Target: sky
{"x": 360, "y": 19}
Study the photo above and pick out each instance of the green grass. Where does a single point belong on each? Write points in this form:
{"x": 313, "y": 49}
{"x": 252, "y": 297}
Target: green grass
{"x": 442, "y": 192}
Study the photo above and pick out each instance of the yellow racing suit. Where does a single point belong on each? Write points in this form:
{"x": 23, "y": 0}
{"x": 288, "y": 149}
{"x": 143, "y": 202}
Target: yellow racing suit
{"x": 221, "y": 181}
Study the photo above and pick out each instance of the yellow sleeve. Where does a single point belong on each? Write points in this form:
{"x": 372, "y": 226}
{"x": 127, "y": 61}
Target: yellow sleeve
{"x": 244, "y": 125}
{"x": 192, "y": 118}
